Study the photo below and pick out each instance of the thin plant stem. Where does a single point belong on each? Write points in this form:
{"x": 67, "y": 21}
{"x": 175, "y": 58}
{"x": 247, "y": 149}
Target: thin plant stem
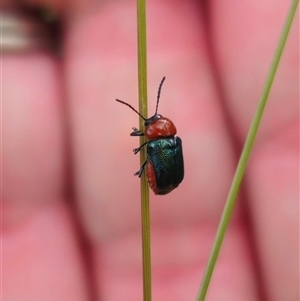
{"x": 145, "y": 210}
{"x": 230, "y": 202}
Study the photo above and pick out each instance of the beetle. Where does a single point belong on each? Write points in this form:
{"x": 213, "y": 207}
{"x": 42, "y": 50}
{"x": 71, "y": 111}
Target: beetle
{"x": 164, "y": 164}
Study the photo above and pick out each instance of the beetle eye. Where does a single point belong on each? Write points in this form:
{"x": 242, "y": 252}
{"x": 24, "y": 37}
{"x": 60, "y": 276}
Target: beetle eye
{"x": 152, "y": 119}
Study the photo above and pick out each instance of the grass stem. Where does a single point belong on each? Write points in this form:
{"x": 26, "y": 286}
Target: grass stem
{"x": 230, "y": 202}
{"x": 142, "y": 81}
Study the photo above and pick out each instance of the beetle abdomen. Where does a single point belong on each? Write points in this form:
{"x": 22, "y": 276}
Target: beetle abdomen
{"x": 165, "y": 169}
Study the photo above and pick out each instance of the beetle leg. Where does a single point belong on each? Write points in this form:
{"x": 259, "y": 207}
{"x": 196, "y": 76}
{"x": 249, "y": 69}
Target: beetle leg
{"x": 136, "y": 132}
{"x": 136, "y": 150}
{"x": 139, "y": 173}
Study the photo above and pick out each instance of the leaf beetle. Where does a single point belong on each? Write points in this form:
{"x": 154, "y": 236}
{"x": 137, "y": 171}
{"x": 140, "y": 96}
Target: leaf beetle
{"x": 164, "y": 164}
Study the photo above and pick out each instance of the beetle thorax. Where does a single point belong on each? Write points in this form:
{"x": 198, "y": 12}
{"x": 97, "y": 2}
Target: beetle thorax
{"x": 159, "y": 126}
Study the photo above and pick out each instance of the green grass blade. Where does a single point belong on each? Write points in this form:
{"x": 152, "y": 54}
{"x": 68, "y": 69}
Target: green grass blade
{"x": 142, "y": 79}
{"x": 230, "y": 202}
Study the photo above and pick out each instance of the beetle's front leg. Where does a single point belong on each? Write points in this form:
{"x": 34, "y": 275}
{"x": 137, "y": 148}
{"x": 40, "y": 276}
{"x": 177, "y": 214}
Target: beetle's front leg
{"x": 139, "y": 173}
{"x": 136, "y": 150}
{"x": 136, "y": 132}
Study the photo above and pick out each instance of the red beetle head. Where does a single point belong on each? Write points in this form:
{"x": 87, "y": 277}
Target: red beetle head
{"x": 156, "y": 126}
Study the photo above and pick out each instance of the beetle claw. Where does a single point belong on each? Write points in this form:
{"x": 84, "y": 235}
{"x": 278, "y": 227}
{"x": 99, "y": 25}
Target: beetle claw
{"x": 137, "y": 174}
{"x": 136, "y": 150}
{"x": 136, "y": 132}
{"x": 140, "y": 171}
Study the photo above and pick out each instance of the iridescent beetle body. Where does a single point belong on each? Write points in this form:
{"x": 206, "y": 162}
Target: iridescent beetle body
{"x": 164, "y": 165}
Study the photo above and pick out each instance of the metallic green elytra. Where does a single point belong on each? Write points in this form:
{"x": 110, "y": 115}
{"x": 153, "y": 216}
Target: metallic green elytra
{"x": 166, "y": 161}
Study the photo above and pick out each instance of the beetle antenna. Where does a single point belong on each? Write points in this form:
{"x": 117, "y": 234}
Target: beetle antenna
{"x": 158, "y": 93}
{"x": 132, "y": 108}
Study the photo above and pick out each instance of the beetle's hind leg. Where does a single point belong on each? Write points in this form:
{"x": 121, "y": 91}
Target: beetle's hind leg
{"x": 136, "y": 150}
{"x": 139, "y": 173}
